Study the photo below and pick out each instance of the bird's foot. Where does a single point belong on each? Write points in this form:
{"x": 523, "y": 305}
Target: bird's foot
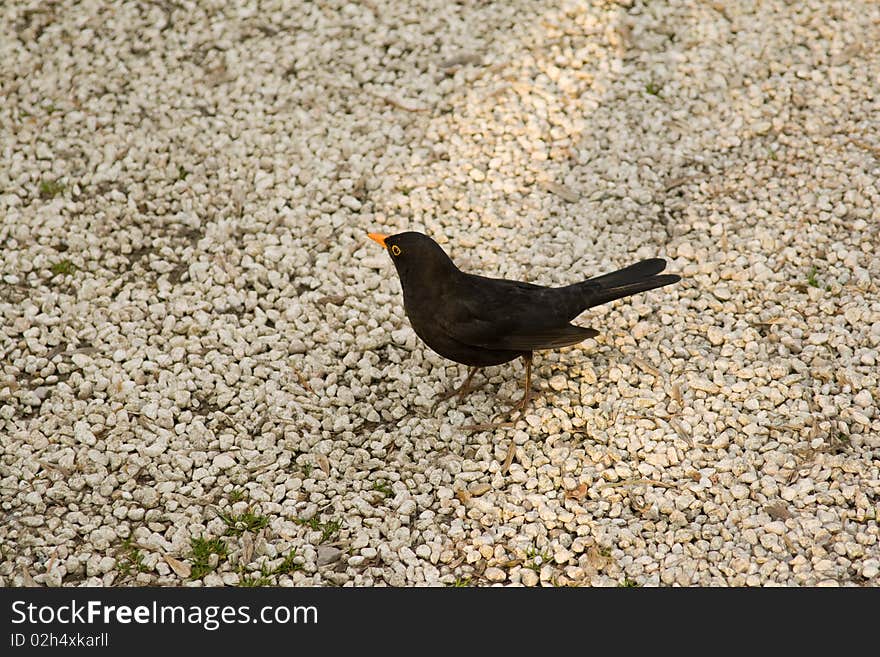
{"x": 523, "y": 403}
{"x": 458, "y": 392}
{"x": 507, "y": 416}
{"x": 519, "y": 407}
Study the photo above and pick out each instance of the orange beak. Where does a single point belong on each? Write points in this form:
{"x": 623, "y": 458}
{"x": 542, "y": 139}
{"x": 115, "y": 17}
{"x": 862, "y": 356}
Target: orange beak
{"x": 376, "y": 237}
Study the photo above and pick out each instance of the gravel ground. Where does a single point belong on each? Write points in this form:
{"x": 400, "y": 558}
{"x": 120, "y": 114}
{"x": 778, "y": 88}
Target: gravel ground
{"x": 207, "y": 375}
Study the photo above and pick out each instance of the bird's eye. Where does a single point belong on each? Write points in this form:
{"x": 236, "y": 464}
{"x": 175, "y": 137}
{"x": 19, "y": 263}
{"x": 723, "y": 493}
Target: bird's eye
{"x": 395, "y": 250}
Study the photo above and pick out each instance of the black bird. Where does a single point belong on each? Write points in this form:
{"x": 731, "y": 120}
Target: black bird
{"x": 479, "y": 321}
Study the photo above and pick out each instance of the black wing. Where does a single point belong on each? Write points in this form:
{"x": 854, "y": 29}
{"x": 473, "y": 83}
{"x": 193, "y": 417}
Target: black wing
{"x": 500, "y": 314}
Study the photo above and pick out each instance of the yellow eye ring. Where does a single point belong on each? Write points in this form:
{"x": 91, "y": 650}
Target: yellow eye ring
{"x": 395, "y": 250}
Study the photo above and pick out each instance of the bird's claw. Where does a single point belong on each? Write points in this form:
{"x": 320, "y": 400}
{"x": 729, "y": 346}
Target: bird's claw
{"x": 458, "y": 392}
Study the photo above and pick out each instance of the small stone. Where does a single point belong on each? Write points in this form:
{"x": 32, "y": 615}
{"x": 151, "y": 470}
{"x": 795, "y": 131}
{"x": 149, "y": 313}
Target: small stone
{"x": 445, "y": 493}
{"x": 263, "y": 181}
{"x": 403, "y": 336}
{"x": 558, "y": 382}
{"x": 700, "y": 383}
{"x": 223, "y": 461}
{"x": 776, "y": 527}
{"x": 408, "y": 556}
{"x": 495, "y": 574}
{"x": 328, "y": 554}
{"x": 643, "y": 329}
{"x": 407, "y": 507}
{"x": 722, "y": 292}
{"x": 739, "y": 491}
{"x": 529, "y": 577}
{"x": 870, "y": 569}
{"x": 351, "y": 202}
{"x": 686, "y": 251}
{"x": 562, "y": 556}
{"x": 861, "y": 418}
{"x": 715, "y": 335}
{"x": 477, "y": 489}
{"x": 864, "y": 399}
{"x": 533, "y": 420}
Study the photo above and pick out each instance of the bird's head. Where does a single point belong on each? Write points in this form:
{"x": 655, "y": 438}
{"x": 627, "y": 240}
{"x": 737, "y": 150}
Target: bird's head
{"x": 415, "y": 255}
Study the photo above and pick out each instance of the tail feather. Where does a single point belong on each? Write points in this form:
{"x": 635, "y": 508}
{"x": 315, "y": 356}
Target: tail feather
{"x": 640, "y": 277}
{"x": 636, "y": 272}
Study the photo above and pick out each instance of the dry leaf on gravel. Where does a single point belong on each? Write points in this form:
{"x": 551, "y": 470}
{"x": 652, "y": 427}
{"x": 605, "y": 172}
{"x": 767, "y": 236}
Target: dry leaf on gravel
{"x": 181, "y": 568}
{"x": 577, "y": 493}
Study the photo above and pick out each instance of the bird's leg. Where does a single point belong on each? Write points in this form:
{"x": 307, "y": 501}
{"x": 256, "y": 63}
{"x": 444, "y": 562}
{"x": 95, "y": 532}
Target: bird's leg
{"x": 523, "y": 403}
{"x": 527, "y": 389}
{"x": 520, "y": 406}
{"x": 460, "y": 390}
{"x": 463, "y": 388}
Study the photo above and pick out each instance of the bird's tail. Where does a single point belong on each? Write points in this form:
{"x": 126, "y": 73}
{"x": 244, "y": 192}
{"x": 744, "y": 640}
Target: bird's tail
{"x": 640, "y": 277}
